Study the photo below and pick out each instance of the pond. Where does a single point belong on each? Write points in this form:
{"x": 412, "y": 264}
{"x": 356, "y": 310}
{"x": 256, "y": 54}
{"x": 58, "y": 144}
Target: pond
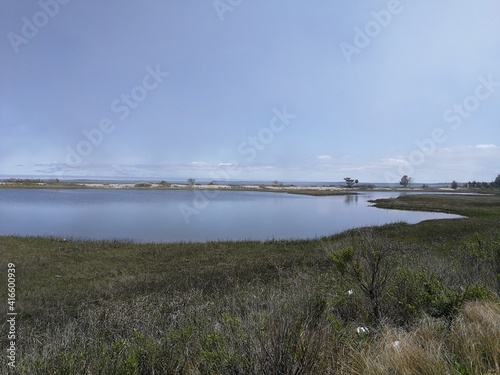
{"x": 190, "y": 215}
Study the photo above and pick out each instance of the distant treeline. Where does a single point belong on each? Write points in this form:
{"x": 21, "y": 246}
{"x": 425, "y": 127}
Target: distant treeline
{"x": 483, "y": 184}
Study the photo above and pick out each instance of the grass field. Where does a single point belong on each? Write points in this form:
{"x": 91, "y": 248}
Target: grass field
{"x": 396, "y": 299}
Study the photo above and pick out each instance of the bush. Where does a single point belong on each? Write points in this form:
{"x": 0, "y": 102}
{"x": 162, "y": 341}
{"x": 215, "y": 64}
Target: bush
{"x": 368, "y": 261}
{"x": 417, "y": 292}
{"x": 476, "y": 262}
{"x": 142, "y": 185}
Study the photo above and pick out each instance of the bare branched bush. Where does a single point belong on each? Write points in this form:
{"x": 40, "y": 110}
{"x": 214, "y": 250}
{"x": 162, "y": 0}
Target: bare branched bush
{"x": 369, "y": 262}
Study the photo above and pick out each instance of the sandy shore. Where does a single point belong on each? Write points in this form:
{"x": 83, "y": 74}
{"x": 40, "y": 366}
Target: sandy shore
{"x": 307, "y": 190}
{"x": 270, "y": 188}
{"x": 215, "y": 187}
{"x": 292, "y": 189}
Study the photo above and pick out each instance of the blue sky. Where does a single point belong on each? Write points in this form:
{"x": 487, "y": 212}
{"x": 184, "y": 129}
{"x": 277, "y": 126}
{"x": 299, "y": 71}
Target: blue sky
{"x": 250, "y": 89}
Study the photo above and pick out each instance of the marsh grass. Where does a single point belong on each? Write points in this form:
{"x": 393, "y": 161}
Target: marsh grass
{"x": 276, "y": 307}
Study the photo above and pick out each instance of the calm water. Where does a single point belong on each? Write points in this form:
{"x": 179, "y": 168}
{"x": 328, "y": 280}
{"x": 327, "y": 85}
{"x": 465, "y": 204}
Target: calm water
{"x": 188, "y": 215}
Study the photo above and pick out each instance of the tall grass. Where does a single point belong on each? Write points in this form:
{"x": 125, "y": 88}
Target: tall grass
{"x": 475, "y": 338}
{"x": 292, "y": 318}
{"x": 471, "y": 346}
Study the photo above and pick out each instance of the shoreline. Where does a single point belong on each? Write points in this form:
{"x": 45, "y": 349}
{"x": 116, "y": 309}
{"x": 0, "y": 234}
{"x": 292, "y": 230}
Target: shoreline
{"x": 290, "y": 189}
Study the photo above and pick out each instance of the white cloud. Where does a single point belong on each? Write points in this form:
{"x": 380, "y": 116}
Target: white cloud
{"x": 324, "y": 157}
{"x": 486, "y": 146}
{"x": 200, "y": 164}
{"x": 393, "y": 161}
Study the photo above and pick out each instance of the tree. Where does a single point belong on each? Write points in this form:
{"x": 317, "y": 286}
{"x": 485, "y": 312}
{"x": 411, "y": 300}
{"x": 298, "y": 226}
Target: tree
{"x": 454, "y": 185}
{"x": 406, "y": 181}
{"x": 350, "y": 182}
{"x": 497, "y": 181}
{"x": 191, "y": 181}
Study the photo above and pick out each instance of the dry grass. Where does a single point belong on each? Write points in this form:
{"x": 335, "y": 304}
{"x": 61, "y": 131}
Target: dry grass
{"x": 475, "y": 338}
{"x": 471, "y": 346}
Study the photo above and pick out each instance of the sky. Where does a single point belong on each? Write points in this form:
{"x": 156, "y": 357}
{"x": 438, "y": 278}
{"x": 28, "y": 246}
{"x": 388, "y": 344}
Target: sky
{"x": 285, "y": 90}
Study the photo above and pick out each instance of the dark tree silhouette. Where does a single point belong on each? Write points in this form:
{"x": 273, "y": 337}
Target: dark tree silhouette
{"x": 350, "y": 182}
{"x": 406, "y": 181}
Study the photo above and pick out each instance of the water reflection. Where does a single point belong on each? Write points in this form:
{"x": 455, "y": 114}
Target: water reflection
{"x": 349, "y": 199}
